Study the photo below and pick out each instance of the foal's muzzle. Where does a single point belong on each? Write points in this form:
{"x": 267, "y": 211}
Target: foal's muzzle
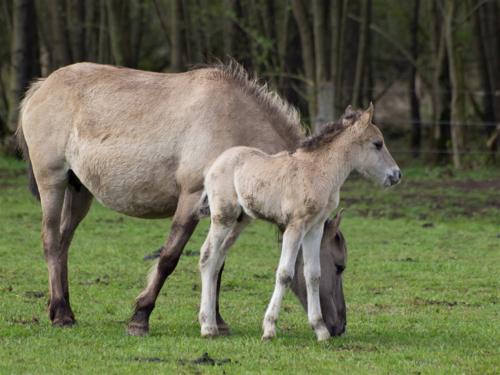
{"x": 393, "y": 177}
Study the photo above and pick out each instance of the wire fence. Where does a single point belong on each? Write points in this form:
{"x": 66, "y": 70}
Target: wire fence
{"x": 440, "y": 152}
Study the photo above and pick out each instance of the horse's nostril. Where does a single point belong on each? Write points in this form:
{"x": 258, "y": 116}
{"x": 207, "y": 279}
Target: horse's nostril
{"x": 399, "y": 174}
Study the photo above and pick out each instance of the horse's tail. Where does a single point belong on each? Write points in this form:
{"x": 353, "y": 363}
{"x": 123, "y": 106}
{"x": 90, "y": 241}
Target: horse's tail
{"x": 21, "y": 140}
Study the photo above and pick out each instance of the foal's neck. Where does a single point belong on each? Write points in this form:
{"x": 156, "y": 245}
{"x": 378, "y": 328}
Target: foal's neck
{"x": 332, "y": 161}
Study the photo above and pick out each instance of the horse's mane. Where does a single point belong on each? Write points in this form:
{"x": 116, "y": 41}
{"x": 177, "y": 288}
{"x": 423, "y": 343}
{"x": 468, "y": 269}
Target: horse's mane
{"x": 329, "y": 131}
{"x": 285, "y": 118}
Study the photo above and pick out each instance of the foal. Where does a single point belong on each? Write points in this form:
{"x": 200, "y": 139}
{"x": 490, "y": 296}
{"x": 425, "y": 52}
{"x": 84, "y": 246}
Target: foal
{"x": 297, "y": 192}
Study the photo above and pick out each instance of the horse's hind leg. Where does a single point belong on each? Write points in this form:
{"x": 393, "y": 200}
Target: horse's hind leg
{"x": 183, "y": 225}
{"x": 52, "y": 198}
{"x": 77, "y": 201}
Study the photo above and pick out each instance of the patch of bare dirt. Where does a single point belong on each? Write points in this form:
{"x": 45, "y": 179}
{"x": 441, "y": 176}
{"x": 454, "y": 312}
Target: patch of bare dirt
{"x": 34, "y": 294}
{"x": 33, "y": 320}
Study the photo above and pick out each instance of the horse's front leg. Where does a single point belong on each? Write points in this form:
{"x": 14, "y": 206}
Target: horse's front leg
{"x": 312, "y": 275}
{"x": 292, "y": 239}
{"x": 183, "y": 225}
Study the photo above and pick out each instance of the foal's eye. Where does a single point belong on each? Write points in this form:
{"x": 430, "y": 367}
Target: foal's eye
{"x": 378, "y": 145}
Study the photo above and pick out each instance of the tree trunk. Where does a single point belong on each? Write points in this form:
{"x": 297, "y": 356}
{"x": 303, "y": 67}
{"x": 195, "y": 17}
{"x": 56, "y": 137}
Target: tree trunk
{"x": 307, "y": 42}
{"x": 368, "y": 80}
{"x": 493, "y": 15}
{"x": 76, "y": 22}
{"x": 338, "y": 21}
{"x": 360, "y": 61}
{"x": 58, "y": 43}
{"x": 103, "y": 55}
{"x": 441, "y": 88}
{"x": 119, "y": 31}
{"x": 480, "y": 26}
{"x": 24, "y": 57}
{"x": 324, "y": 84}
{"x": 457, "y": 98}
{"x": 177, "y": 62}
{"x": 414, "y": 100}
{"x": 91, "y": 32}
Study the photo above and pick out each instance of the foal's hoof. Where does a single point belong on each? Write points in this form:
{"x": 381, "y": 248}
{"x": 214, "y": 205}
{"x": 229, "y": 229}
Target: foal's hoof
{"x": 209, "y": 332}
{"x": 268, "y": 336}
{"x": 64, "y": 322}
{"x": 136, "y": 329}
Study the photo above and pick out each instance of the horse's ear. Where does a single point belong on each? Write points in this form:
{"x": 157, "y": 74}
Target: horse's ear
{"x": 337, "y": 219}
{"x": 349, "y": 112}
{"x": 348, "y": 117}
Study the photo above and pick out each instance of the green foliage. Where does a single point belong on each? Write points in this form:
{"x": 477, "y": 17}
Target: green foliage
{"x": 421, "y": 288}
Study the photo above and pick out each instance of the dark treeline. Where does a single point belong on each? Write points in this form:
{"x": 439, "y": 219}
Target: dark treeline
{"x": 434, "y": 63}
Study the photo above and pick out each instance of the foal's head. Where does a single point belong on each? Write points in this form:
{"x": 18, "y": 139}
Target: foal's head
{"x": 369, "y": 153}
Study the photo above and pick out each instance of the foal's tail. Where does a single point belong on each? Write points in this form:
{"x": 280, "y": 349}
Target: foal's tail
{"x": 21, "y": 140}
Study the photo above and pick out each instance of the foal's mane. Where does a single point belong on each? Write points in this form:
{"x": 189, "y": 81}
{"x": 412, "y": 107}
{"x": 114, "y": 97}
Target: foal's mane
{"x": 284, "y": 117}
{"x": 329, "y": 132}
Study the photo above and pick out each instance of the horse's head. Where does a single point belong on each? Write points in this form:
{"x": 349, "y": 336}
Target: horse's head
{"x": 333, "y": 263}
{"x": 370, "y": 155}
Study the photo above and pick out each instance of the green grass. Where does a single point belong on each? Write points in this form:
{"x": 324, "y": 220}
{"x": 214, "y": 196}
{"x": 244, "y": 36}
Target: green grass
{"x": 421, "y": 287}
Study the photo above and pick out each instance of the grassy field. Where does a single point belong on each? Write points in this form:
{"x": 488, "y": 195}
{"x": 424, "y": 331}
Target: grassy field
{"x": 422, "y": 288}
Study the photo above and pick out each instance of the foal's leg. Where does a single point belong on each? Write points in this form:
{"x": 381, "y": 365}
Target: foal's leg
{"x": 75, "y": 208}
{"x": 292, "y": 239}
{"x": 220, "y": 238}
{"x": 183, "y": 225}
{"x": 312, "y": 275}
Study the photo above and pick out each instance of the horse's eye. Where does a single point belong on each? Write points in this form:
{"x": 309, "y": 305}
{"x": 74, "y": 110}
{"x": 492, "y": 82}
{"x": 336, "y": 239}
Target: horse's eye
{"x": 339, "y": 268}
{"x": 378, "y": 145}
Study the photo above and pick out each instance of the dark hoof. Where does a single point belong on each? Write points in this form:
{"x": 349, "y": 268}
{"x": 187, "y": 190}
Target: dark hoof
{"x": 337, "y": 331}
{"x": 224, "y": 330}
{"x": 65, "y": 322}
{"x": 136, "y": 329}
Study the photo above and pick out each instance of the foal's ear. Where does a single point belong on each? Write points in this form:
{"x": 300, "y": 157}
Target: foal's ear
{"x": 349, "y": 112}
{"x": 367, "y": 116}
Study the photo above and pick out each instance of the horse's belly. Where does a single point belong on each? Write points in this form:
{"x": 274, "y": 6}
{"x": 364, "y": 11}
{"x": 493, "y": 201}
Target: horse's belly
{"x": 139, "y": 201}
{"x": 133, "y": 183}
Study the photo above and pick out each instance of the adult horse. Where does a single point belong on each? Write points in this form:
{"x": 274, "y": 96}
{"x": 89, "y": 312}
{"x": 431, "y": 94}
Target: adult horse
{"x": 139, "y": 142}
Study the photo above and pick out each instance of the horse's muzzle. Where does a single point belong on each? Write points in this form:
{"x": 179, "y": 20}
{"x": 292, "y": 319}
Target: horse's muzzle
{"x": 393, "y": 177}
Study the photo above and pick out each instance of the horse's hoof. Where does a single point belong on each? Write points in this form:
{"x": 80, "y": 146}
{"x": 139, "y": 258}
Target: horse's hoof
{"x": 224, "y": 330}
{"x": 65, "y": 322}
{"x": 135, "y": 329}
{"x": 209, "y": 332}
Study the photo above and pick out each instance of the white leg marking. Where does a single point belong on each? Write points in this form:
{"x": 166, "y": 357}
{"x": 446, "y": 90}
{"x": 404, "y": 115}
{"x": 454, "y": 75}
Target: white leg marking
{"x": 219, "y": 240}
{"x": 292, "y": 239}
{"x": 312, "y": 273}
